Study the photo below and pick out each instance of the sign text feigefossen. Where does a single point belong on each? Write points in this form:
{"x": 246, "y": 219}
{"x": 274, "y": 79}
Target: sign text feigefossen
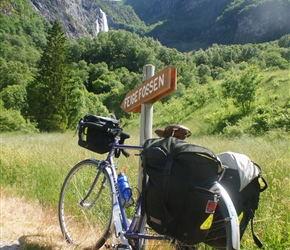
{"x": 153, "y": 89}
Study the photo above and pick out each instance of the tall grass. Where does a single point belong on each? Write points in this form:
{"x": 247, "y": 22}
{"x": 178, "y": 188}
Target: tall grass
{"x": 35, "y": 165}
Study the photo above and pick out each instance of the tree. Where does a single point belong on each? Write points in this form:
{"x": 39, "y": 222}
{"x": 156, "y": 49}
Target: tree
{"x": 48, "y": 93}
{"x": 13, "y": 73}
{"x": 284, "y": 41}
{"x": 203, "y": 70}
{"x": 242, "y": 87}
{"x": 274, "y": 59}
{"x": 95, "y": 71}
{"x": 14, "y": 97}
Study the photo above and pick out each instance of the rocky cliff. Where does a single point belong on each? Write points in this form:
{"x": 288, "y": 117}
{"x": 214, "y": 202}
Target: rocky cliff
{"x": 78, "y": 17}
{"x": 268, "y": 21}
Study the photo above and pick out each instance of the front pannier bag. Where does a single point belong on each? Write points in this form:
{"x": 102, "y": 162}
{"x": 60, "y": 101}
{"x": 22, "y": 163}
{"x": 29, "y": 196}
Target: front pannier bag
{"x": 177, "y": 200}
{"x": 94, "y": 133}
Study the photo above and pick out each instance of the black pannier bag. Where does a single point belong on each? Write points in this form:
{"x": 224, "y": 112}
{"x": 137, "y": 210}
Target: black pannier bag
{"x": 177, "y": 200}
{"x": 244, "y": 182}
{"x": 94, "y": 133}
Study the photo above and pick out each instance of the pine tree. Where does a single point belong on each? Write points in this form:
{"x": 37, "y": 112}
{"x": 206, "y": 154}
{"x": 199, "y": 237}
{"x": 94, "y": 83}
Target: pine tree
{"x": 47, "y": 94}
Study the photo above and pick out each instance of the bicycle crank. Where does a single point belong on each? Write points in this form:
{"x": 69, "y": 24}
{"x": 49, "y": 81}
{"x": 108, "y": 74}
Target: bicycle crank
{"x": 118, "y": 247}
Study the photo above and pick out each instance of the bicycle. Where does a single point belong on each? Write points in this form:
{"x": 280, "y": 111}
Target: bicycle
{"x": 92, "y": 215}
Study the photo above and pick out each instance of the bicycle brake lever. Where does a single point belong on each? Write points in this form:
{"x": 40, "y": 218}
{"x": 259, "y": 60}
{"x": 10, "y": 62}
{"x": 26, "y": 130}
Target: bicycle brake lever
{"x": 76, "y": 130}
{"x": 125, "y": 153}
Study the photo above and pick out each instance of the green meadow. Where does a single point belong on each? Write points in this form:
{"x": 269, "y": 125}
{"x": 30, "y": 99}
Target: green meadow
{"x": 35, "y": 165}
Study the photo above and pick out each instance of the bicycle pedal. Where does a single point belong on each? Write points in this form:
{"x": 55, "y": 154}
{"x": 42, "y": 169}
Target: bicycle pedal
{"x": 122, "y": 247}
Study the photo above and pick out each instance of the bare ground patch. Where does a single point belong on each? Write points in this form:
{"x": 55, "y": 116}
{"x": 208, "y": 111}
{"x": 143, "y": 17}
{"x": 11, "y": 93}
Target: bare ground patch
{"x": 24, "y": 224}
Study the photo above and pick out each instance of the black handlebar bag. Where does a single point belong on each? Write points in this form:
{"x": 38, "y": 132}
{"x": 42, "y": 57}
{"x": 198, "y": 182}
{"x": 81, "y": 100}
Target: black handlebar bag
{"x": 94, "y": 133}
{"x": 177, "y": 200}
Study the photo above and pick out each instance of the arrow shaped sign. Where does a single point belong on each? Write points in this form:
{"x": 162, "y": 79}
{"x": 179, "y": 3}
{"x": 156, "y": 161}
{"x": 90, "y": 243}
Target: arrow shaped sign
{"x": 155, "y": 88}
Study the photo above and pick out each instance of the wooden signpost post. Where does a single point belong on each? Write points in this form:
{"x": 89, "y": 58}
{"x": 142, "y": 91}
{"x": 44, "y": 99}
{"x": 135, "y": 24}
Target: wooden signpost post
{"x": 141, "y": 98}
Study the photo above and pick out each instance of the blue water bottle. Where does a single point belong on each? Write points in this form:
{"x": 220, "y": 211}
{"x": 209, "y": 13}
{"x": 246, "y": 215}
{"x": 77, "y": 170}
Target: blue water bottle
{"x": 125, "y": 190}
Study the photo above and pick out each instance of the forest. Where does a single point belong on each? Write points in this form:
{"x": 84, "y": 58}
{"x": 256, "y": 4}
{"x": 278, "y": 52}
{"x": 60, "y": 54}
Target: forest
{"x": 48, "y": 82}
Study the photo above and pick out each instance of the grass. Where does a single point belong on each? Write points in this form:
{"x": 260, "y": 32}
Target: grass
{"x": 35, "y": 165}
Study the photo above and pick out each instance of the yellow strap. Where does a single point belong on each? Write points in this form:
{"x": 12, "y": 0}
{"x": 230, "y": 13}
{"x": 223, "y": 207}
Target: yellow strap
{"x": 241, "y": 216}
{"x": 85, "y": 133}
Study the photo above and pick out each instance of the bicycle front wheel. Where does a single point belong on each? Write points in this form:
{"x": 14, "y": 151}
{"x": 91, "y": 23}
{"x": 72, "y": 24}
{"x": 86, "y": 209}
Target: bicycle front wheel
{"x": 86, "y": 205}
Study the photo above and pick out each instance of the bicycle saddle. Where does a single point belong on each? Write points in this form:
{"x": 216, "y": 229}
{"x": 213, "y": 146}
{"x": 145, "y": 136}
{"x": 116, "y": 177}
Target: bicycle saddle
{"x": 178, "y": 131}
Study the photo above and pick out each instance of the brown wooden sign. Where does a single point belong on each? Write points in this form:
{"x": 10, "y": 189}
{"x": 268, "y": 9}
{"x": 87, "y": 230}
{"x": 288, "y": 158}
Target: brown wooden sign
{"x": 153, "y": 89}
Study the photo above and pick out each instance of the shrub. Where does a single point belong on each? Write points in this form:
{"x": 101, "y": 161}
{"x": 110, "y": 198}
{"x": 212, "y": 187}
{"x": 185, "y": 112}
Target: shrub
{"x": 233, "y": 131}
{"x": 11, "y": 120}
{"x": 242, "y": 87}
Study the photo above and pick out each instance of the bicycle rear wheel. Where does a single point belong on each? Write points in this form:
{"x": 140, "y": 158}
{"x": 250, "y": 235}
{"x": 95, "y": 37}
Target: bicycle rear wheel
{"x": 220, "y": 233}
{"x": 86, "y": 205}
{"x": 219, "y": 236}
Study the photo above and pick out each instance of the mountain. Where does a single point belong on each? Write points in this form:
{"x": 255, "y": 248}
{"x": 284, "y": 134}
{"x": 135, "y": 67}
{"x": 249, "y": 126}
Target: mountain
{"x": 193, "y": 23}
{"x": 182, "y": 24}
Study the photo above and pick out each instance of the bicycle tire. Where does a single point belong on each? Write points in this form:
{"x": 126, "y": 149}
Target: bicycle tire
{"x": 86, "y": 222}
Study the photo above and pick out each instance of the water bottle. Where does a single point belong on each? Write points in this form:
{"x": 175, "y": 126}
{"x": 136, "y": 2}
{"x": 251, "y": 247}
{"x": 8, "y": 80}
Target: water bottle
{"x": 125, "y": 190}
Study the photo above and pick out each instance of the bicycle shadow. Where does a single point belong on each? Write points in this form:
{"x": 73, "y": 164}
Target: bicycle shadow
{"x": 11, "y": 247}
{"x": 38, "y": 241}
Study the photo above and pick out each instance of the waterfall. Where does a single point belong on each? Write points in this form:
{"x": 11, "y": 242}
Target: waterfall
{"x": 105, "y": 21}
{"x": 97, "y": 27}
{"x": 101, "y": 22}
